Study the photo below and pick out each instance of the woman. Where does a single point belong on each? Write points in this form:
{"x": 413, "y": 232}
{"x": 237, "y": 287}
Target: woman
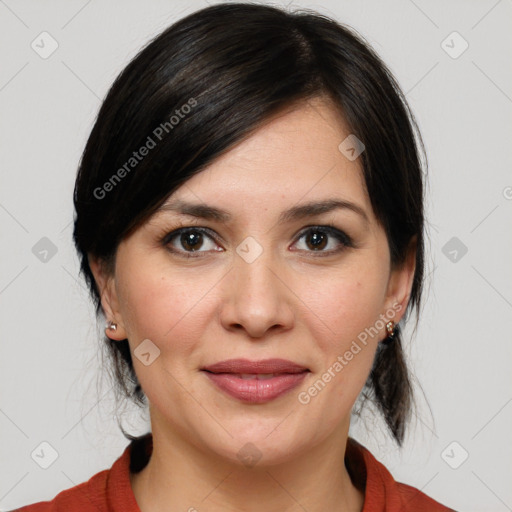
{"x": 249, "y": 218}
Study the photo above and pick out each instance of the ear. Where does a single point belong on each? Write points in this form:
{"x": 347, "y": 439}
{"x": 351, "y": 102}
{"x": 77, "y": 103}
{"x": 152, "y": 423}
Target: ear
{"x": 400, "y": 282}
{"x": 105, "y": 281}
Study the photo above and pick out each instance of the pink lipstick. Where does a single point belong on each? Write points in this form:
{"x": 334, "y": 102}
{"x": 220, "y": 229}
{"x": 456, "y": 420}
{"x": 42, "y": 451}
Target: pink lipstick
{"x": 256, "y": 381}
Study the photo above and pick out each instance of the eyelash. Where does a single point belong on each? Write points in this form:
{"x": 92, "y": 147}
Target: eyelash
{"x": 327, "y": 229}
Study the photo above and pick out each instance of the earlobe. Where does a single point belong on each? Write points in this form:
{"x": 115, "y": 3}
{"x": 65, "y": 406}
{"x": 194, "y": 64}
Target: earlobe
{"x": 105, "y": 283}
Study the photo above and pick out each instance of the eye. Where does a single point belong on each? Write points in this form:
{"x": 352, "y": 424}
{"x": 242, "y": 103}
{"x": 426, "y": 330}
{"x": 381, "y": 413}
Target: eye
{"x": 317, "y": 238}
{"x": 189, "y": 240}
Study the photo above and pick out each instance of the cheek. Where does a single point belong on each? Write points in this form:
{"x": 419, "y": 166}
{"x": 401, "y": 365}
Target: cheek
{"x": 340, "y": 317}
{"x": 343, "y": 306}
{"x": 342, "y": 313}
{"x": 162, "y": 306}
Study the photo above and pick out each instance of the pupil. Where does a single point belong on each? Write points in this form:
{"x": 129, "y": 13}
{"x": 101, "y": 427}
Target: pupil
{"x": 189, "y": 240}
{"x": 318, "y": 240}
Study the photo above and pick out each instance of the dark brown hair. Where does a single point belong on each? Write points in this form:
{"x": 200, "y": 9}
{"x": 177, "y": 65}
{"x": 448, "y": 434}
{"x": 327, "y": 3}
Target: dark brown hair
{"x": 209, "y": 81}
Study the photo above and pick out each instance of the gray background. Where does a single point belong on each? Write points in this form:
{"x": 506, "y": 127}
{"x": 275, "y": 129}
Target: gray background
{"x": 50, "y": 371}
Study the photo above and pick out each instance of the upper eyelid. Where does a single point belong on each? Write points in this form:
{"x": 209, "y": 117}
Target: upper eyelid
{"x": 330, "y": 230}
{"x": 212, "y": 233}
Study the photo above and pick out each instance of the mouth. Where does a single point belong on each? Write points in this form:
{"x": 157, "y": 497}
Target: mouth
{"x": 256, "y": 381}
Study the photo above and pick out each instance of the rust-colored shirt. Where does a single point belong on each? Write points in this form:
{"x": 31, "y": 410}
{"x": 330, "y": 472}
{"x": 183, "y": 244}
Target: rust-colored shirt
{"x": 110, "y": 490}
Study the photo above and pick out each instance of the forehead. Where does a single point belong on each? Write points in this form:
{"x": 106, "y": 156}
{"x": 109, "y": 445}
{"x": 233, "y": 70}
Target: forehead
{"x": 293, "y": 158}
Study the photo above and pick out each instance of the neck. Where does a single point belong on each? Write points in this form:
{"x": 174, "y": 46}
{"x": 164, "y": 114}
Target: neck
{"x": 181, "y": 476}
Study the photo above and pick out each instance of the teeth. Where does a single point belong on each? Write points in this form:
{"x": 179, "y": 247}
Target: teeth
{"x": 257, "y": 376}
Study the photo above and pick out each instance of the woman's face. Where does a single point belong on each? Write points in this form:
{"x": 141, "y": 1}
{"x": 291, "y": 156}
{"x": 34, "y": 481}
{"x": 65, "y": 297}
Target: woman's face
{"x": 312, "y": 288}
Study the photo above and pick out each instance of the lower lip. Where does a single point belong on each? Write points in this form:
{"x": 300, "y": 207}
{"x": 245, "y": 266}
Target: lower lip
{"x": 253, "y": 390}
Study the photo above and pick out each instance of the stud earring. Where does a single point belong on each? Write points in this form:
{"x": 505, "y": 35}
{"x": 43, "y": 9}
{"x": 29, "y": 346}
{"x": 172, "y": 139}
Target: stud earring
{"x": 392, "y": 330}
{"x": 111, "y": 326}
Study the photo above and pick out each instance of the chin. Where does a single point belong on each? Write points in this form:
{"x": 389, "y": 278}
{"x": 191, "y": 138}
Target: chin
{"x": 255, "y": 447}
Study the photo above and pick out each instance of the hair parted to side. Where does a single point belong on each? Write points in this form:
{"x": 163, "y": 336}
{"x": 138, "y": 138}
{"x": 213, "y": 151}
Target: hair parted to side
{"x": 236, "y": 65}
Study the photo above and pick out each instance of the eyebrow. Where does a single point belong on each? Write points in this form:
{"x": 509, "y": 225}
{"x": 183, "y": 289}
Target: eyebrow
{"x": 310, "y": 209}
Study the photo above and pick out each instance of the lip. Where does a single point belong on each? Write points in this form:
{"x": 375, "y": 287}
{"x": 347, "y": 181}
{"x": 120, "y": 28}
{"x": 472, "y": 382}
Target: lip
{"x": 262, "y": 366}
{"x": 253, "y": 390}
{"x": 226, "y": 375}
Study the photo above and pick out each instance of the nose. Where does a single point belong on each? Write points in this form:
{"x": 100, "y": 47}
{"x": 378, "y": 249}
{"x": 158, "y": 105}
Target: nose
{"x": 256, "y": 298}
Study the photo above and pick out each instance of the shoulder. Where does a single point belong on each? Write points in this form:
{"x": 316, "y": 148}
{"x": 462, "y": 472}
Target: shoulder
{"x": 413, "y": 499}
{"x": 381, "y": 492}
{"x": 105, "y": 491}
{"x": 87, "y": 496}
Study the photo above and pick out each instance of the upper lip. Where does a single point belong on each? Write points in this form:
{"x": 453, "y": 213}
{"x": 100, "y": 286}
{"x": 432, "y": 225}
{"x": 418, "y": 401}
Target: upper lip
{"x": 254, "y": 367}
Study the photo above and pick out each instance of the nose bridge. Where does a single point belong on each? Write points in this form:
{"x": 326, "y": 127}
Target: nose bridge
{"x": 257, "y": 298}
{"x": 255, "y": 272}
